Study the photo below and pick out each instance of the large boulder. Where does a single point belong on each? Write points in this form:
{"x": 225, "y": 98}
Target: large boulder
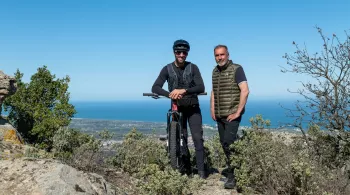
{"x": 8, "y": 133}
{"x": 49, "y": 177}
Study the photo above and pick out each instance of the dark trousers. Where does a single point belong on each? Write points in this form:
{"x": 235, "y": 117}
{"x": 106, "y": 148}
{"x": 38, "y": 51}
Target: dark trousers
{"x": 228, "y": 135}
{"x": 193, "y": 115}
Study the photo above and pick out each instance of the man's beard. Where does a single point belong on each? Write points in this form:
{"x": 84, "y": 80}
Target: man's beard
{"x": 222, "y": 62}
{"x": 178, "y": 62}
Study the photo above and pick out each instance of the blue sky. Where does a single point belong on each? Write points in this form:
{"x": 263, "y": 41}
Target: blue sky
{"x": 114, "y": 50}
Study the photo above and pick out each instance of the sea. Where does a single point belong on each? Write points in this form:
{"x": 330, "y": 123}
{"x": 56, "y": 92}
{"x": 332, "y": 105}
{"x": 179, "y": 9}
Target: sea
{"x": 155, "y": 111}
{"x": 149, "y": 116}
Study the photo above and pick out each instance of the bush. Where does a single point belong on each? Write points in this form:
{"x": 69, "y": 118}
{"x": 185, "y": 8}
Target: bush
{"x": 314, "y": 176}
{"x": 89, "y": 156}
{"x": 81, "y": 150}
{"x": 146, "y": 159}
{"x": 32, "y": 152}
{"x": 39, "y": 108}
{"x": 137, "y": 151}
{"x": 266, "y": 164}
{"x": 329, "y": 147}
{"x": 214, "y": 152}
{"x": 262, "y": 163}
{"x": 66, "y": 140}
{"x": 167, "y": 181}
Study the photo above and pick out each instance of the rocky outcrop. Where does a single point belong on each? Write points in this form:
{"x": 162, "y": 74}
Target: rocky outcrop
{"x": 8, "y": 86}
{"x": 23, "y": 170}
{"x": 8, "y": 134}
{"x": 20, "y": 174}
{"x": 36, "y": 176}
{"x": 49, "y": 177}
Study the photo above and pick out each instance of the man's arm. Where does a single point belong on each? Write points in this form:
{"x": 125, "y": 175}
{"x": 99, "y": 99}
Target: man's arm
{"x": 198, "y": 80}
{"x": 241, "y": 80}
{"x": 212, "y": 106}
{"x": 243, "y": 86}
{"x": 158, "y": 84}
{"x": 243, "y": 96}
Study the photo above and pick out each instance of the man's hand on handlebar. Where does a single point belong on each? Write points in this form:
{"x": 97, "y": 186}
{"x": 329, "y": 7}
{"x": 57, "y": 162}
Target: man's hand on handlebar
{"x": 177, "y": 94}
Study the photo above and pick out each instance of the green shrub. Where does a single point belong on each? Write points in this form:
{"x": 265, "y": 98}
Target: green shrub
{"x": 81, "y": 150}
{"x": 312, "y": 176}
{"x": 262, "y": 163}
{"x": 329, "y": 147}
{"x": 258, "y": 122}
{"x": 67, "y": 139}
{"x": 167, "y": 181}
{"x": 33, "y": 152}
{"x": 214, "y": 152}
{"x": 39, "y": 108}
{"x": 88, "y": 156}
{"x": 137, "y": 151}
{"x": 146, "y": 159}
{"x": 266, "y": 164}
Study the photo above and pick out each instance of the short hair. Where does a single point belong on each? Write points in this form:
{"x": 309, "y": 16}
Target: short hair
{"x": 221, "y": 46}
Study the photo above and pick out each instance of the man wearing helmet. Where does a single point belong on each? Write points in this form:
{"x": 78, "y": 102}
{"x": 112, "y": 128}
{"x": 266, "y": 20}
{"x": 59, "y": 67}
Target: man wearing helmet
{"x": 184, "y": 83}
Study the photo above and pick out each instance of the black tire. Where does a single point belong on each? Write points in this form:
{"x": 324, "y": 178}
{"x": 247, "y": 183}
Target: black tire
{"x": 173, "y": 144}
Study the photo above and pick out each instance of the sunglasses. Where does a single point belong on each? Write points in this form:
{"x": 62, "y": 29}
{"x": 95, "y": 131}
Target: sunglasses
{"x": 179, "y": 52}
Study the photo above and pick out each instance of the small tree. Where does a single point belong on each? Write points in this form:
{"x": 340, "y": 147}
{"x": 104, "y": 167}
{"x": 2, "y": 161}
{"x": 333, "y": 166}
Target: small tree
{"x": 327, "y": 96}
{"x": 39, "y": 108}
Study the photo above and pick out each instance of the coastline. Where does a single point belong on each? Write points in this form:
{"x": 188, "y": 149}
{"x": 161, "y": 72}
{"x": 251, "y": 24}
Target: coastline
{"x": 158, "y": 129}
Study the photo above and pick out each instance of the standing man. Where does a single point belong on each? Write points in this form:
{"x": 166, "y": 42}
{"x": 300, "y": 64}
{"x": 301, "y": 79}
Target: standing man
{"x": 184, "y": 83}
{"x": 227, "y": 102}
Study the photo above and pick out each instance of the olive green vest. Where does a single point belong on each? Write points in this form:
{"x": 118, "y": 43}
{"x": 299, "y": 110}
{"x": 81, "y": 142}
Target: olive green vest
{"x": 226, "y": 90}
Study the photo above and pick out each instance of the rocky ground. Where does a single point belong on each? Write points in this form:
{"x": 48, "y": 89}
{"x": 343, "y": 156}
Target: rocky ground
{"x": 23, "y": 173}
{"x": 33, "y": 176}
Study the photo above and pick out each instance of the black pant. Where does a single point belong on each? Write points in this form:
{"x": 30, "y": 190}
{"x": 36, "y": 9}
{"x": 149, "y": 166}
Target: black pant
{"x": 228, "y": 135}
{"x": 193, "y": 115}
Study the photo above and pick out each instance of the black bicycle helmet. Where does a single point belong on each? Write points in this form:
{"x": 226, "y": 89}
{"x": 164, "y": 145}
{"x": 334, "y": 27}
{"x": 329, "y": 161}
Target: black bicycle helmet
{"x": 181, "y": 45}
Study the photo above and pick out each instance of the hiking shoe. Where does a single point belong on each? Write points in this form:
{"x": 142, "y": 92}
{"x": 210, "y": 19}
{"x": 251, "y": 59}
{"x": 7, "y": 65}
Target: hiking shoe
{"x": 231, "y": 182}
{"x": 202, "y": 174}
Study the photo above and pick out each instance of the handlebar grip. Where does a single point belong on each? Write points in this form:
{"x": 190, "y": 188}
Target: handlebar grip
{"x": 154, "y": 94}
{"x": 150, "y": 94}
